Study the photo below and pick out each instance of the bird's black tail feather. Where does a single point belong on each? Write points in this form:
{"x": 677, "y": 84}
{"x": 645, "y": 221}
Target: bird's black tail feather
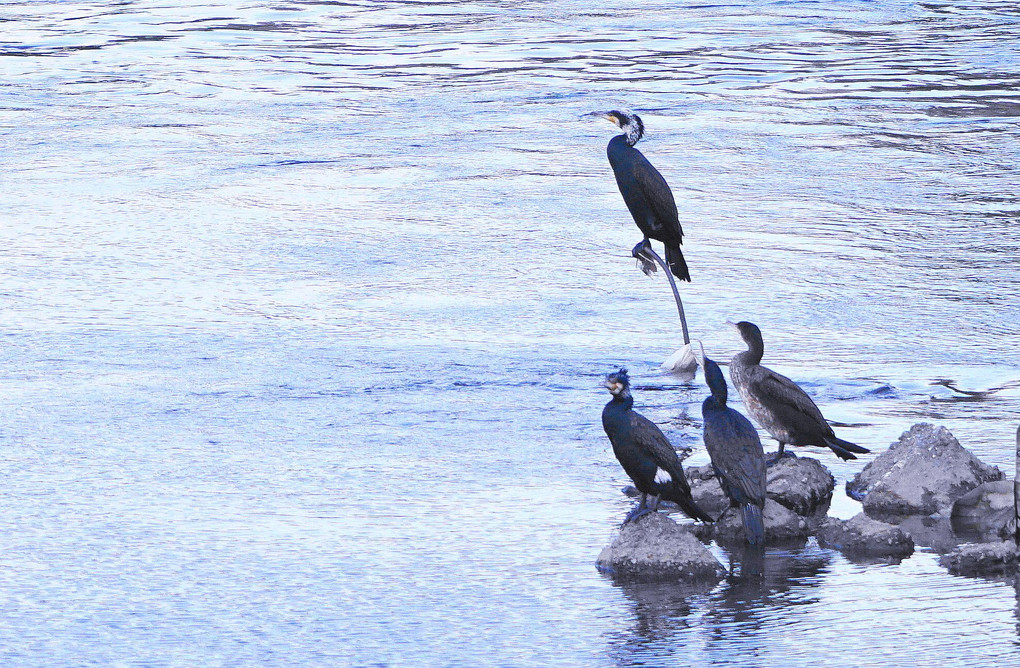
{"x": 845, "y": 449}
{"x": 682, "y": 498}
{"x": 754, "y": 524}
{"x": 677, "y": 263}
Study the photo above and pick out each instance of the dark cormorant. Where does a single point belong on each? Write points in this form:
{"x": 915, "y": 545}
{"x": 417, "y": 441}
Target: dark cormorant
{"x": 737, "y": 456}
{"x": 645, "y": 453}
{"x": 784, "y": 410}
{"x": 646, "y": 194}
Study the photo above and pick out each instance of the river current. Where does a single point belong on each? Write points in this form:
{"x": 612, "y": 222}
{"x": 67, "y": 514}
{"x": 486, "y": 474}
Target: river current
{"x": 305, "y": 307}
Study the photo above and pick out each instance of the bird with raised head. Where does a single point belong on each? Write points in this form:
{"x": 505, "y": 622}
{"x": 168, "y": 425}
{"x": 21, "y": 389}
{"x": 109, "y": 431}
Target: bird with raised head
{"x": 735, "y": 449}
{"x": 646, "y": 194}
{"x": 778, "y": 404}
{"x": 645, "y": 453}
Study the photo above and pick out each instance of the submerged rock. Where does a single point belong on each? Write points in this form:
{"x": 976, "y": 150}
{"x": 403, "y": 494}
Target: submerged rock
{"x": 921, "y": 474}
{"x": 861, "y": 535}
{"x": 987, "y": 509}
{"x": 654, "y": 547}
{"x": 781, "y": 524}
{"x": 801, "y": 484}
{"x": 996, "y": 558}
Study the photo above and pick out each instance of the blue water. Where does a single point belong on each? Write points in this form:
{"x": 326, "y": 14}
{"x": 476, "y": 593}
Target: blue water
{"x": 305, "y": 306}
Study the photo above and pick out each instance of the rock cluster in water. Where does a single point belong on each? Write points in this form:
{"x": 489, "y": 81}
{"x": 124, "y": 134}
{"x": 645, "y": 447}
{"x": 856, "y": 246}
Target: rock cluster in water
{"x": 799, "y": 490}
{"x": 999, "y": 557}
{"x": 921, "y": 474}
{"x": 925, "y": 489}
{"x": 944, "y": 497}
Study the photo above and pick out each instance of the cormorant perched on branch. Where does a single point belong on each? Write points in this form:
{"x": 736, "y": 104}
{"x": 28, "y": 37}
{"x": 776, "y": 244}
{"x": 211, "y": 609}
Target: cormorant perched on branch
{"x": 784, "y": 410}
{"x": 646, "y": 194}
{"x": 645, "y": 453}
{"x": 737, "y": 456}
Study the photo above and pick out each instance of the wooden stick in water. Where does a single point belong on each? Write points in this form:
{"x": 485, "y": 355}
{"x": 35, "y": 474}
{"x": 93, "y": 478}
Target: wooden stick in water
{"x": 676, "y": 293}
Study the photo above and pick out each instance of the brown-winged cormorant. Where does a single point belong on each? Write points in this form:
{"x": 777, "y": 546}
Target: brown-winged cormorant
{"x": 737, "y": 456}
{"x": 646, "y": 194}
{"x": 784, "y": 410}
{"x": 645, "y": 453}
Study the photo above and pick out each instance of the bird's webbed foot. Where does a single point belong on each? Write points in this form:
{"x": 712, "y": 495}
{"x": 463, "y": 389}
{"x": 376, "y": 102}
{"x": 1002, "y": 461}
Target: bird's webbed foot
{"x": 640, "y": 511}
{"x": 780, "y": 454}
{"x": 645, "y": 261}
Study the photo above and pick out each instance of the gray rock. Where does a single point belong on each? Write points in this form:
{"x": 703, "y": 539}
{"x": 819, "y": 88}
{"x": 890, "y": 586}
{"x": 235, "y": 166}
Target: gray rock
{"x": 934, "y": 532}
{"x": 801, "y": 484}
{"x": 781, "y": 524}
{"x": 921, "y": 474}
{"x": 655, "y": 548}
{"x": 982, "y": 559}
{"x": 706, "y": 490}
{"x": 986, "y": 510}
{"x": 861, "y": 535}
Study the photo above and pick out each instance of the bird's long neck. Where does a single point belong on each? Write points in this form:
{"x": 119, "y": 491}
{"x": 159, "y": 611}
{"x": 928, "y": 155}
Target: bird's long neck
{"x": 619, "y": 405}
{"x": 712, "y": 405}
{"x": 616, "y": 419}
{"x": 716, "y": 383}
{"x": 753, "y": 354}
{"x": 623, "y": 400}
{"x": 719, "y": 395}
{"x": 617, "y": 145}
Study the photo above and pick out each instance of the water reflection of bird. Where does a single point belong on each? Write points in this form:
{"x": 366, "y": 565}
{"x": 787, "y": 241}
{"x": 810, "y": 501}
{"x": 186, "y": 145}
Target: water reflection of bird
{"x": 646, "y": 194}
{"x": 784, "y": 410}
{"x": 733, "y": 623}
{"x": 645, "y": 453}
{"x": 737, "y": 456}
{"x": 740, "y": 615}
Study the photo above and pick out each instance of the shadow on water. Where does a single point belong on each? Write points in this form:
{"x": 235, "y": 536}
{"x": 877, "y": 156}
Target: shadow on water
{"x": 970, "y": 395}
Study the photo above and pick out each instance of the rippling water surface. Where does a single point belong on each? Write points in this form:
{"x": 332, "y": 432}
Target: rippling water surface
{"x": 305, "y": 307}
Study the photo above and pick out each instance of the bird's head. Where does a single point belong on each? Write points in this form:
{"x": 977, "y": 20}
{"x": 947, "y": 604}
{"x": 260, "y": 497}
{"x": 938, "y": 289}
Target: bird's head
{"x": 699, "y": 353}
{"x": 630, "y": 124}
{"x": 751, "y": 335}
{"x": 749, "y": 331}
{"x": 618, "y": 383}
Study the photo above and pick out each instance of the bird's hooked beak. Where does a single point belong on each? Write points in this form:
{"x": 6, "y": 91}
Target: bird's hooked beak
{"x": 613, "y": 386}
{"x": 699, "y": 353}
{"x": 612, "y": 118}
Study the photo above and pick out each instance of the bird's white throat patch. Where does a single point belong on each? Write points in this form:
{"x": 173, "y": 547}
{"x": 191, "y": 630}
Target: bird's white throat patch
{"x": 662, "y": 477}
{"x": 633, "y": 134}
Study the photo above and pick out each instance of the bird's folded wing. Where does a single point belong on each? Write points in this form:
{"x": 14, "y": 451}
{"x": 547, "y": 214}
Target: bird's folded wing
{"x": 650, "y": 436}
{"x": 784, "y": 395}
{"x": 656, "y": 191}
